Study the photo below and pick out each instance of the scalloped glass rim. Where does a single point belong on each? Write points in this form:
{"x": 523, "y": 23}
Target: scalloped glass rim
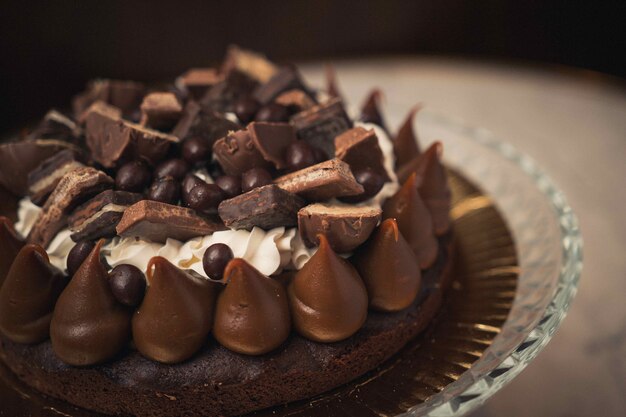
{"x": 549, "y": 246}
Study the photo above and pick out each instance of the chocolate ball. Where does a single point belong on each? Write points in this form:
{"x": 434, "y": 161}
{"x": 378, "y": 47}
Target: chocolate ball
{"x": 371, "y": 181}
{"x": 133, "y": 177}
{"x": 189, "y": 182}
{"x": 196, "y": 150}
{"x": 78, "y": 254}
{"x": 253, "y": 178}
{"x": 175, "y": 168}
{"x": 205, "y": 198}
{"x": 272, "y": 112}
{"x": 230, "y": 184}
{"x": 300, "y": 155}
{"x": 246, "y": 108}
{"x": 128, "y": 284}
{"x": 165, "y": 190}
{"x": 215, "y": 259}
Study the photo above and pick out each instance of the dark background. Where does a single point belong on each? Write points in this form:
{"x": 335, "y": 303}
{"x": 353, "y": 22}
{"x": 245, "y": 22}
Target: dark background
{"x": 49, "y": 49}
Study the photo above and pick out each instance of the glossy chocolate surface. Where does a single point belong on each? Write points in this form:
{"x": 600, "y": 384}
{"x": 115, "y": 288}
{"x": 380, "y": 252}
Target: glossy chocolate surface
{"x": 10, "y": 245}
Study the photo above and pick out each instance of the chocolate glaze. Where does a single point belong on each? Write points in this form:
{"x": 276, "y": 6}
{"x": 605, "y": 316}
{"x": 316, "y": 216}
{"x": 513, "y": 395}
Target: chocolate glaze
{"x": 327, "y": 296}
{"x": 414, "y": 221}
{"x": 88, "y": 325}
{"x": 389, "y": 269}
{"x": 10, "y": 245}
{"x": 405, "y": 145}
{"x": 252, "y": 313}
{"x": 176, "y": 314}
{"x": 28, "y": 295}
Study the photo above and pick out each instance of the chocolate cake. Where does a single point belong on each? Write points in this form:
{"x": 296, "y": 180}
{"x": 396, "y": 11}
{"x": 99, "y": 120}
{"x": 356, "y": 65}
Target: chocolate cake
{"x": 228, "y": 243}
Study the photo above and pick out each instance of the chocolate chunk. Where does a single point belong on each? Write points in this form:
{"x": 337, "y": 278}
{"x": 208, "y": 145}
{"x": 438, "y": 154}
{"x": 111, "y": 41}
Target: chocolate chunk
{"x": 159, "y": 221}
{"x": 345, "y": 227}
{"x": 18, "y": 159}
{"x": 359, "y": 148}
{"x": 56, "y": 125}
{"x": 237, "y": 153}
{"x": 111, "y": 139}
{"x": 123, "y": 94}
{"x": 370, "y": 113}
{"x": 203, "y": 123}
{"x": 251, "y": 63}
{"x": 197, "y": 81}
{"x": 320, "y": 182}
{"x": 287, "y": 78}
{"x": 98, "y": 217}
{"x": 266, "y": 207}
{"x": 223, "y": 95}
{"x": 74, "y": 188}
{"x": 321, "y": 124}
{"x": 160, "y": 110}
{"x": 100, "y": 107}
{"x": 272, "y": 140}
{"x": 295, "y": 100}
{"x": 273, "y": 112}
{"x": 44, "y": 179}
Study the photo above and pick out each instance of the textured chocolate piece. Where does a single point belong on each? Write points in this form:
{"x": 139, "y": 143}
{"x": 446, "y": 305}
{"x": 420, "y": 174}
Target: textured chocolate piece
{"x": 28, "y": 296}
{"x": 158, "y": 221}
{"x": 74, "y": 188}
{"x": 252, "y": 312}
{"x": 272, "y": 141}
{"x": 370, "y": 112}
{"x": 320, "y": 125}
{"x": 197, "y": 81}
{"x": 160, "y": 110}
{"x": 18, "y": 159}
{"x": 223, "y": 95}
{"x": 203, "y": 123}
{"x": 253, "y": 64}
{"x": 405, "y": 144}
{"x": 321, "y": 182}
{"x": 125, "y": 95}
{"x": 56, "y": 125}
{"x": 98, "y": 217}
{"x": 101, "y": 107}
{"x": 295, "y": 100}
{"x": 266, "y": 207}
{"x": 176, "y": 315}
{"x": 44, "y": 179}
{"x": 287, "y": 78}
{"x": 359, "y": 148}
{"x": 10, "y": 245}
{"x": 237, "y": 153}
{"x": 345, "y": 227}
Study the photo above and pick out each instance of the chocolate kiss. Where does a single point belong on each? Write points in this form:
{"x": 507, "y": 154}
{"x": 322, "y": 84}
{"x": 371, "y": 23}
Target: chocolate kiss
{"x": 370, "y": 113}
{"x": 10, "y": 245}
{"x": 405, "y": 146}
{"x": 331, "y": 82}
{"x": 327, "y": 296}
{"x": 176, "y": 315}
{"x": 389, "y": 269}
{"x": 252, "y": 314}
{"x": 88, "y": 325}
{"x": 28, "y": 296}
{"x": 414, "y": 221}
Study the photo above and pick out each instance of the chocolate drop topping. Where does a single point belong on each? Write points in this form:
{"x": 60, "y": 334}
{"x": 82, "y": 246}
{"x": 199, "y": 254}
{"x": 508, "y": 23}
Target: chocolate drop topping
{"x": 10, "y": 245}
{"x": 370, "y": 112}
{"x": 405, "y": 146}
{"x": 331, "y": 82}
{"x": 252, "y": 314}
{"x": 434, "y": 188}
{"x": 327, "y": 296}
{"x": 176, "y": 315}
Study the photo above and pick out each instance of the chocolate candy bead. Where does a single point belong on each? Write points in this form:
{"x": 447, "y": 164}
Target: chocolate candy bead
{"x": 273, "y": 112}
{"x": 128, "y": 284}
{"x": 230, "y": 184}
{"x": 300, "y": 155}
{"x": 246, "y": 108}
{"x": 175, "y": 168}
{"x": 205, "y": 198}
{"x": 372, "y": 183}
{"x": 196, "y": 150}
{"x": 133, "y": 177}
{"x": 165, "y": 190}
{"x": 253, "y": 178}
{"x": 77, "y": 256}
{"x": 189, "y": 183}
{"x": 215, "y": 259}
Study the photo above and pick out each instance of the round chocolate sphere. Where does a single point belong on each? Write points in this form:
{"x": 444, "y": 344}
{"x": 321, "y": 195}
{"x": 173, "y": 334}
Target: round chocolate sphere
{"x": 215, "y": 259}
{"x": 300, "y": 155}
{"x": 78, "y": 254}
{"x": 189, "y": 183}
{"x": 205, "y": 198}
{"x": 165, "y": 190}
{"x": 246, "y": 108}
{"x": 133, "y": 177}
{"x": 272, "y": 112}
{"x": 253, "y": 178}
{"x": 175, "y": 168}
{"x": 371, "y": 181}
{"x": 230, "y": 184}
{"x": 128, "y": 284}
{"x": 196, "y": 150}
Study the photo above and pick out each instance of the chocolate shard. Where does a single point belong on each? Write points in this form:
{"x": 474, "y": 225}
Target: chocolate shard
{"x": 56, "y": 125}
{"x": 414, "y": 221}
{"x": 10, "y": 245}
{"x": 359, "y": 148}
{"x": 18, "y": 159}
{"x": 266, "y": 207}
{"x": 287, "y": 78}
{"x": 28, "y": 296}
{"x": 405, "y": 145}
{"x": 203, "y": 123}
{"x": 326, "y": 180}
{"x": 272, "y": 141}
{"x": 75, "y": 188}
{"x": 176, "y": 315}
{"x": 345, "y": 227}
{"x": 101, "y": 107}
{"x": 44, "y": 179}
{"x": 252, "y": 312}
{"x": 111, "y": 139}
{"x": 197, "y": 81}
{"x": 125, "y": 95}
{"x": 158, "y": 221}
{"x": 160, "y": 111}
{"x": 98, "y": 217}
{"x": 320, "y": 124}
{"x": 332, "y": 87}
{"x": 370, "y": 112}
{"x": 253, "y": 64}
{"x": 237, "y": 153}
{"x": 88, "y": 325}
{"x": 389, "y": 269}
{"x": 327, "y": 297}
{"x": 295, "y": 100}
{"x": 223, "y": 95}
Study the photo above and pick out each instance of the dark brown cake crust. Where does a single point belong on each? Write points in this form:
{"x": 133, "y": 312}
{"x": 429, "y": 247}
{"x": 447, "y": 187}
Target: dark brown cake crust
{"x": 219, "y": 382}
